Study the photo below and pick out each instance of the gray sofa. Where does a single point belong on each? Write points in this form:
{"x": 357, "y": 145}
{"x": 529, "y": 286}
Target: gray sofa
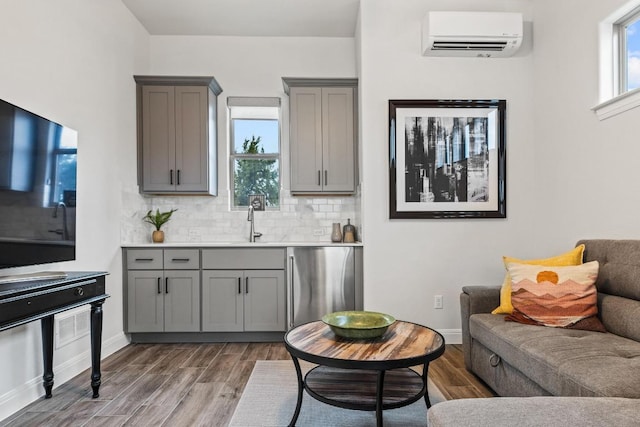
{"x": 524, "y": 360}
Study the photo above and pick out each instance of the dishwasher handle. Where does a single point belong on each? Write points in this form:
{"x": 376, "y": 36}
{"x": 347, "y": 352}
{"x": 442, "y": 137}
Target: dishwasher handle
{"x": 290, "y": 296}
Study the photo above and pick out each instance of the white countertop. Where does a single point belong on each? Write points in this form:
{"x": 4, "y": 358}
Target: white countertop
{"x": 233, "y": 244}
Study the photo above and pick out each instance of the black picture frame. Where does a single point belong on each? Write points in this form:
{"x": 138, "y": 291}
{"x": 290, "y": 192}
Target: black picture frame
{"x": 447, "y": 159}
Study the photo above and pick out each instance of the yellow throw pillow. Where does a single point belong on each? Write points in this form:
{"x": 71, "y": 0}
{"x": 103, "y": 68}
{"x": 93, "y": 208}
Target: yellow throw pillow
{"x": 573, "y": 257}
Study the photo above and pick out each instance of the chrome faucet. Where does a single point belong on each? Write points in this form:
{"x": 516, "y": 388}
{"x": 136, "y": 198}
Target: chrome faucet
{"x": 65, "y": 229}
{"x": 252, "y": 232}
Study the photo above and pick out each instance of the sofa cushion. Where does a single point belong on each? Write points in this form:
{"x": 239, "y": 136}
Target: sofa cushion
{"x": 572, "y": 257}
{"x": 535, "y": 412}
{"x": 565, "y": 362}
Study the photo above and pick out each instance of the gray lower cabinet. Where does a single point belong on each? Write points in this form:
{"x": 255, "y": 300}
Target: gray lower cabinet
{"x": 204, "y": 290}
{"x": 237, "y": 300}
{"x": 243, "y": 290}
{"x": 163, "y": 301}
{"x": 162, "y": 290}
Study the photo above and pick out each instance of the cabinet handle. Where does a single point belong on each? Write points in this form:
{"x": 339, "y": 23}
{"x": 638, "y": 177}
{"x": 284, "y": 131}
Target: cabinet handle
{"x": 239, "y": 285}
{"x": 319, "y": 178}
{"x": 325, "y": 177}
{"x": 159, "y": 291}
{"x": 178, "y": 177}
{"x": 171, "y": 176}
{"x": 166, "y": 285}
{"x": 246, "y": 285}
{"x": 180, "y": 259}
{"x": 144, "y": 259}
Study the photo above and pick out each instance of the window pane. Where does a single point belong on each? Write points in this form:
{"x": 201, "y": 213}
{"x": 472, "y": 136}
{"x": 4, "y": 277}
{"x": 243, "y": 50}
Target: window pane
{"x": 256, "y": 177}
{"x": 263, "y": 131}
{"x": 633, "y": 55}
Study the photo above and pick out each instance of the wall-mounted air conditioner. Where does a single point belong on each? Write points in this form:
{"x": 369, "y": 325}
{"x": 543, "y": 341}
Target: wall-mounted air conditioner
{"x": 471, "y": 34}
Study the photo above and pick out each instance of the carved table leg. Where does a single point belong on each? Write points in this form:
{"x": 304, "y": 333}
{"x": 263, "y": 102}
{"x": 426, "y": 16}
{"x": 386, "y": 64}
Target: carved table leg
{"x": 96, "y": 346}
{"x": 46, "y": 324}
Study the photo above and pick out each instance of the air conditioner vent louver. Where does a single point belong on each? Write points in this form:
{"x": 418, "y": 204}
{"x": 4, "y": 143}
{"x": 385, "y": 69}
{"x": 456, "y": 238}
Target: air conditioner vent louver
{"x": 471, "y": 34}
{"x": 484, "y": 46}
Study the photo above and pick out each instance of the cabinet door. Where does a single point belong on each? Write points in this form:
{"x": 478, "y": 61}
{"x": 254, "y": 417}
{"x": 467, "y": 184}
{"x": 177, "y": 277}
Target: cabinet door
{"x": 181, "y": 301}
{"x": 264, "y": 300}
{"x": 192, "y": 129}
{"x": 338, "y": 141}
{"x": 145, "y": 311}
{"x": 222, "y": 300}
{"x": 158, "y": 138}
{"x": 305, "y": 139}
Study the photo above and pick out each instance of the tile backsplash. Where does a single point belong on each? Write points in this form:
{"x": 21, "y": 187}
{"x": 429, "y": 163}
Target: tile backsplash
{"x": 209, "y": 219}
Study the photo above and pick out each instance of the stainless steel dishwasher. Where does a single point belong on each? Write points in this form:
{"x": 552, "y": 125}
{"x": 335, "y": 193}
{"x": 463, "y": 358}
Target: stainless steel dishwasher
{"x": 322, "y": 280}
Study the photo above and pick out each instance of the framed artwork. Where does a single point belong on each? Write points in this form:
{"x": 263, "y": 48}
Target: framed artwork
{"x": 447, "y": 159}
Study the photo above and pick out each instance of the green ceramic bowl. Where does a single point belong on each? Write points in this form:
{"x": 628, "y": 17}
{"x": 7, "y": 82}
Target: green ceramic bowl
{"x": 358, "y": 324}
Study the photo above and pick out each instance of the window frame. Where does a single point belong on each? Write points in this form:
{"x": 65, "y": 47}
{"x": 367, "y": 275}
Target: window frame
{"x": 612, "y": 100}
{"x": 253, "y": 102}
{"x": 621, "y": 62}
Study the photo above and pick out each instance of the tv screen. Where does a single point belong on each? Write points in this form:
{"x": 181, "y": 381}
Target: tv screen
{"x": 38, "y": 160}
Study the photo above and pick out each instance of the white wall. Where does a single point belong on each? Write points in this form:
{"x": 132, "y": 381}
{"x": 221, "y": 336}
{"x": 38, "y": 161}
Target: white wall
{"x": 72, "y": 61}
{"x": 407, "y": 262}
{"x": 587, "y": 169}
{"x": 246, "y": 66}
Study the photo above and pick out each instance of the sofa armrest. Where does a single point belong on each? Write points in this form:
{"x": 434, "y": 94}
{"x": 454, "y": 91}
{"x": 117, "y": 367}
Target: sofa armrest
{"x": 482, "y": 299}
{"x": 475, "y": 299}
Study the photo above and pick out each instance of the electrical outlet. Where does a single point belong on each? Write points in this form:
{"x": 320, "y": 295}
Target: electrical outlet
{"x": 318, "y": 232}
{"x": 437, "y": 301}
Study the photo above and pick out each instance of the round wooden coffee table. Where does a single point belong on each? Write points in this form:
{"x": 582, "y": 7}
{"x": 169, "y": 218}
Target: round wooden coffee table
{"x": 366, "y": 375}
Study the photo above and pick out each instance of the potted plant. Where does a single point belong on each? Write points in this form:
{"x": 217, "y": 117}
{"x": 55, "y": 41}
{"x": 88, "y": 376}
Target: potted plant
{"x": 158, "y": 219}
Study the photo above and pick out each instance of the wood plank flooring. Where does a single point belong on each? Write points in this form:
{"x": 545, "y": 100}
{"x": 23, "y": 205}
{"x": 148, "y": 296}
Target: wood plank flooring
{"x": 188, "y": 385}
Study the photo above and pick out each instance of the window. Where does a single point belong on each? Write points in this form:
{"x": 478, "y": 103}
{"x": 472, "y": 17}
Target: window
{"x": 619, "y": 36}
{"x": 255, "y": 149}
{"x": 628, "y": 35}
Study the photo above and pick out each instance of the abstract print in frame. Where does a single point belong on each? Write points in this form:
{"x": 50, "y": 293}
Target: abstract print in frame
{"x": 447, "y": 159}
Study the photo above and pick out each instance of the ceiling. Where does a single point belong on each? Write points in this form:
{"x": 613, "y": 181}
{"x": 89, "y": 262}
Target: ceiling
{"x": 258, "y": 18}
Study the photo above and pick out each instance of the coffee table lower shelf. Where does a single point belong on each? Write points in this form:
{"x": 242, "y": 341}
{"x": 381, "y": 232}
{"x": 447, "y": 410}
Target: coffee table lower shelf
{"x": 357, "y": 389}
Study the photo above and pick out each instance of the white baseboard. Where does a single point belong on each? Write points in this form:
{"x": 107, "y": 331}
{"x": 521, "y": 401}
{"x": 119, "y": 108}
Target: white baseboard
{"x": 31, "y": 390}
{"x": 451, "y": 336}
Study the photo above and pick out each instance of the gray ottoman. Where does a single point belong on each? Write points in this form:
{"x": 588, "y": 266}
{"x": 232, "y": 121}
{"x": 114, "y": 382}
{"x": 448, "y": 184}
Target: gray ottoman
{"x": 547, "y": 411}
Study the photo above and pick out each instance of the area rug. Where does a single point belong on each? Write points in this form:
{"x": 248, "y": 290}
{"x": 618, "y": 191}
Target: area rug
{"x": 269, "y": 400}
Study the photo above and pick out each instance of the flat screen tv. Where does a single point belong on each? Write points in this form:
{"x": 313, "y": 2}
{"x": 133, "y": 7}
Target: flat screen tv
{"x": 38, "y": 160}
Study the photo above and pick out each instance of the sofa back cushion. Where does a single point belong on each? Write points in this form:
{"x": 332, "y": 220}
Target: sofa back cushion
{"x": 618, "y": 284}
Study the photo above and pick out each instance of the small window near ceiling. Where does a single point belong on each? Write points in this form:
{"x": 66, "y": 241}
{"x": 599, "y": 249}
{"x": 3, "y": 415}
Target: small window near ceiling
{"x": 255, "y": 150}
{"x": 628, "y": 35}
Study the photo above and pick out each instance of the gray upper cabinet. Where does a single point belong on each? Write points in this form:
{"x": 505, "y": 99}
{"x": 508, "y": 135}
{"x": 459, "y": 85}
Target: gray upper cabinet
{"x": 177, "y": 127}
{"x": 322, "y": 135}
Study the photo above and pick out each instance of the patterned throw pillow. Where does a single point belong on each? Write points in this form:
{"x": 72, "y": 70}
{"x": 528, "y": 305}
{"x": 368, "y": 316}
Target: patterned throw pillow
{"x": 573, "y": 257}
{"x": 561, "y": 297}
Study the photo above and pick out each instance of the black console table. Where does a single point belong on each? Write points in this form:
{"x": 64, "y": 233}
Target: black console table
{"x": 26, "y": 301}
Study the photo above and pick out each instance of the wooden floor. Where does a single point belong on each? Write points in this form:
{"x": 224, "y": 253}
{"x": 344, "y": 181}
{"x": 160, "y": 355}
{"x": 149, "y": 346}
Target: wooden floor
{"x": 188, "y": 385}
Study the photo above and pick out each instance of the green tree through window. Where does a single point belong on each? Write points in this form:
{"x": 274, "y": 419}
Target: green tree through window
{"x": 256, "y": 175}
